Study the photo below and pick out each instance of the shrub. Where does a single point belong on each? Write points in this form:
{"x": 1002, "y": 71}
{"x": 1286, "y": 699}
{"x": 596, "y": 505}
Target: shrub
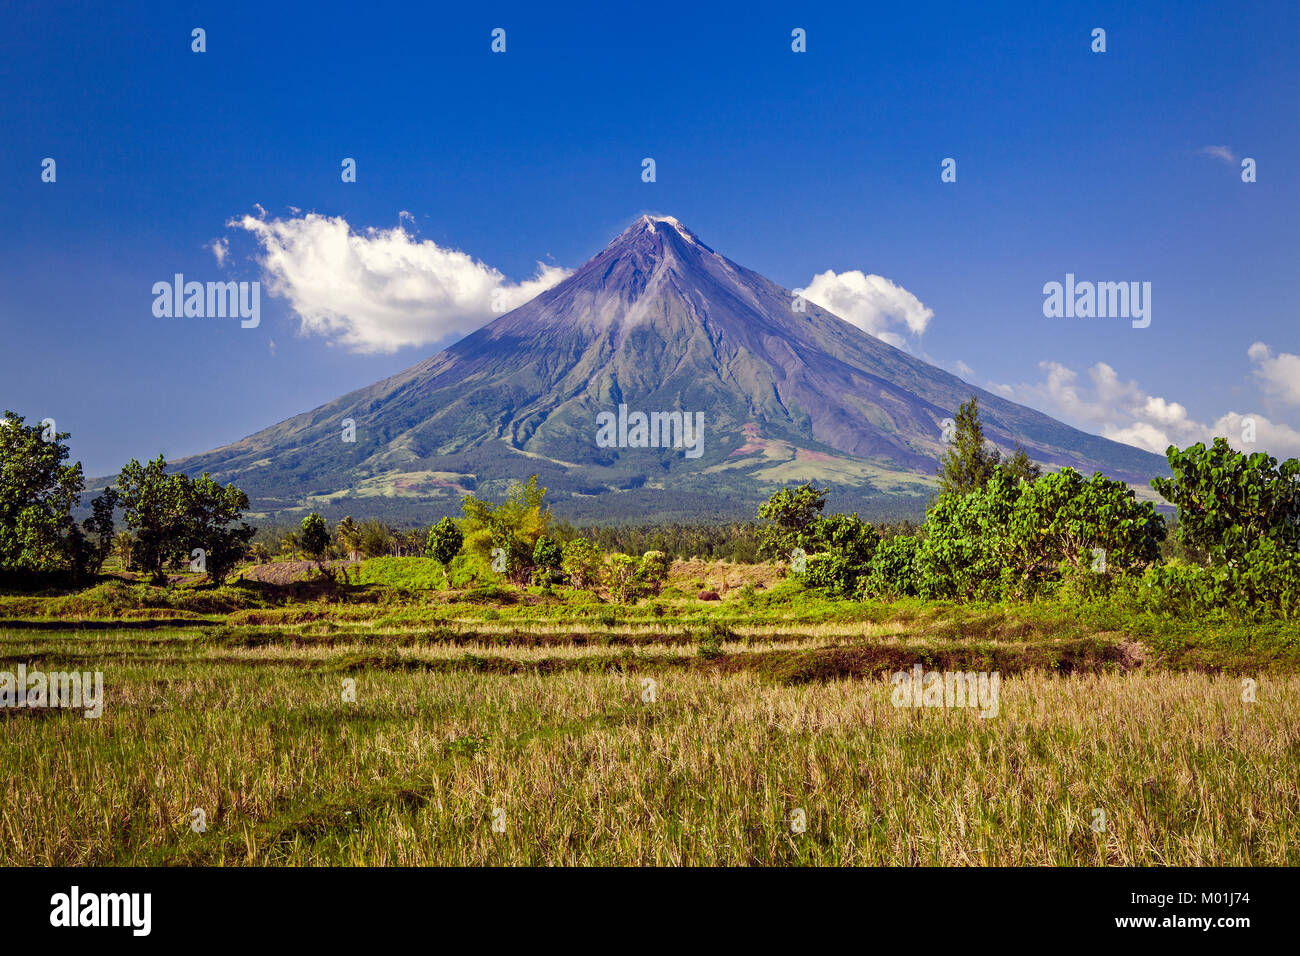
{"x": 581, "y": 561}
{"x": 892, "y": 571}
{"x": 652, "y": 572}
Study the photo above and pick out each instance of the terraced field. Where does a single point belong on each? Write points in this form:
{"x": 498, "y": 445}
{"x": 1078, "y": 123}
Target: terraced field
{"x": 502, "y": 727}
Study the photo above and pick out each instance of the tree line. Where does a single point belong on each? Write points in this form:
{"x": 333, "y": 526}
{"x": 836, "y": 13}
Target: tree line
{"x": 173, "y": 520}
{"x": 1000, "y": 529}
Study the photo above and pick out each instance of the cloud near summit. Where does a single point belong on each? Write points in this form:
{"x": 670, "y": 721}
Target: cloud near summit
{"x": 380, "y": 290}
{"x": 873, "y": 303}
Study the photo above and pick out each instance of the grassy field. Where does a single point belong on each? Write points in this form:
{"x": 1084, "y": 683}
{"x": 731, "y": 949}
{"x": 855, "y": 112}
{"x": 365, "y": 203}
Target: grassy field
{"x": 495, "y": 726}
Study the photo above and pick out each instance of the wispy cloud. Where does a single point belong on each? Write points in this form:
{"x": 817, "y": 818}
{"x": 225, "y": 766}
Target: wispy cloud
{"x": 1222, "y": 153}
{"x": 871, "y": 302}
{"x": 379, "y": 290}
{"x": 1125, "y": 412}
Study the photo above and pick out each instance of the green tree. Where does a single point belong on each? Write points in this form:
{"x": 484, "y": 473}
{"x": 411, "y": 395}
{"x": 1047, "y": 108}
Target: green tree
{"x": 443, "y": 544}
{"x": 154, "y": 507}
{"x": 621, "y": 578}
{"x": 548, "y": 553}
{"x": 314, "y": 537}
{"x": 970, "y": 460}
{"x": 98, "y": 529}
{"x": 652, "y": 572}
{"x": 213, "y": 524}
{"x": 1021, "y": 467}
{"x": 582, "y": 562}
{"x": 792, "y": 514}
{"x": 376, "y": 538}
{"x": 348, "y": 533}
{"x": 842, "y": 548}
{"x": 1228, "y": 502}
{"x": 514, "y": 526}
{"x": 37, "y": 494}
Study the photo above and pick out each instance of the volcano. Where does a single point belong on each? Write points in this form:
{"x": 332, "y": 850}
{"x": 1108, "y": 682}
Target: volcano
{"x": 657, "y": 323}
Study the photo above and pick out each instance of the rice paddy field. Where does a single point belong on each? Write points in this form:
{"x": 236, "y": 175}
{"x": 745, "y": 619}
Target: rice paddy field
{"x": 293, "y": 725}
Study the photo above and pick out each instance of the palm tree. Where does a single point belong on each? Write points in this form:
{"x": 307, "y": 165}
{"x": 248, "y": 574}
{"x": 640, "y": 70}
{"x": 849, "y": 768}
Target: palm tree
{"x": 349, "y": 534}
{"x": 122, "y": 544}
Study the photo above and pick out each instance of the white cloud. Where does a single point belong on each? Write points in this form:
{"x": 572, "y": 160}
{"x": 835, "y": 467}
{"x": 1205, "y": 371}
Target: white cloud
{"x": 380, "y": 290}
{"x": 1122, "y": 411}
{"x": 1278, "y": 374}
{"x": 220, "y": 249}
{"x": 1220, "y": 152}
{"x": 871, "y": 302}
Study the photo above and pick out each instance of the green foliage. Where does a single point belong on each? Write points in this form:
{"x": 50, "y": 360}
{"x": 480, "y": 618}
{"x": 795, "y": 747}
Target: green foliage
{"x": 1228, "y": 502}
{"x": 581, "y": 561}
{"x": 1009, "y": 538}
{"x": 37, "y": 494}
{"x": 98, "y": 529}
{"x": 444, "y": 541}
{"x": 892, "y": 570}
{"x": 374, "y": 538}
{"x": 514, "y": 526}
{"x": 170, "y": 515}
{"x": 404, "y": 574}
{"x": 621, "y": 578}
{"x": 793, "y": 514}
{"x": 548, "y": 553}
{"x": 210, "y": 512}
{"x": 652, "y": 573}
{"x": 844, "y": 545}
{"x": 154, "y": 506}
{"x": 315, "y": 537}
{"x": 348, "y": 533}
{"x": 1097, "y": 525}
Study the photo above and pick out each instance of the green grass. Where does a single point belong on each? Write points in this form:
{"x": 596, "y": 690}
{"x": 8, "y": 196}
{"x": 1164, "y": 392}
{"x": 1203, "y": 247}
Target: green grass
{"x": 531, "y": 705}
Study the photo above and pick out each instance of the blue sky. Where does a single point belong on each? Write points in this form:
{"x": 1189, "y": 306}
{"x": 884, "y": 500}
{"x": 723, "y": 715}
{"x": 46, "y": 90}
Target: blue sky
{"x": 1068, "y": 161}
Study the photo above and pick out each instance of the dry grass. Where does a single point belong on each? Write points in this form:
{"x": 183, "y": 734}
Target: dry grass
{"x": 584, "y": 771}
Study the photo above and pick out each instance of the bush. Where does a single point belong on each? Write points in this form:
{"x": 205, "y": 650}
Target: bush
{"x": 652, "y": 572}
{"x": 892, "y": 571}
{"x": 581, "y": 561}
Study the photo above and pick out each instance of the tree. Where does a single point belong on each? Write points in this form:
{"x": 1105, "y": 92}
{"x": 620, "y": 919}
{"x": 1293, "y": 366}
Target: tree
{"x": 621, "y": 578}
{"x": 793, "y": 513}
{"x": 1229, "y": 502}
{"x": 154, "y": 504}
{"x": 1064, "y": 521}
{"x": 171, "y": 515}
{"x": 582, "y": 561}
{"x": 376, "y": 538}
{"x": 513, "y": 527}
{"x": 37, "y": 494}
{"x": 349, "y": 534}
{"x": 843, "y": 546}
{"x": 652, "y": 572}
{"x": 211, "y": 511}
{"x": 98, "y": 529}
{"x": 314, "y": 537}
{"x": 443, "y": 544}
{"x": 969, "y": 461}
{"x": 122, "y": 544}
{"x": 1021, "y": 467}
{"x": 548, "y": 553}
